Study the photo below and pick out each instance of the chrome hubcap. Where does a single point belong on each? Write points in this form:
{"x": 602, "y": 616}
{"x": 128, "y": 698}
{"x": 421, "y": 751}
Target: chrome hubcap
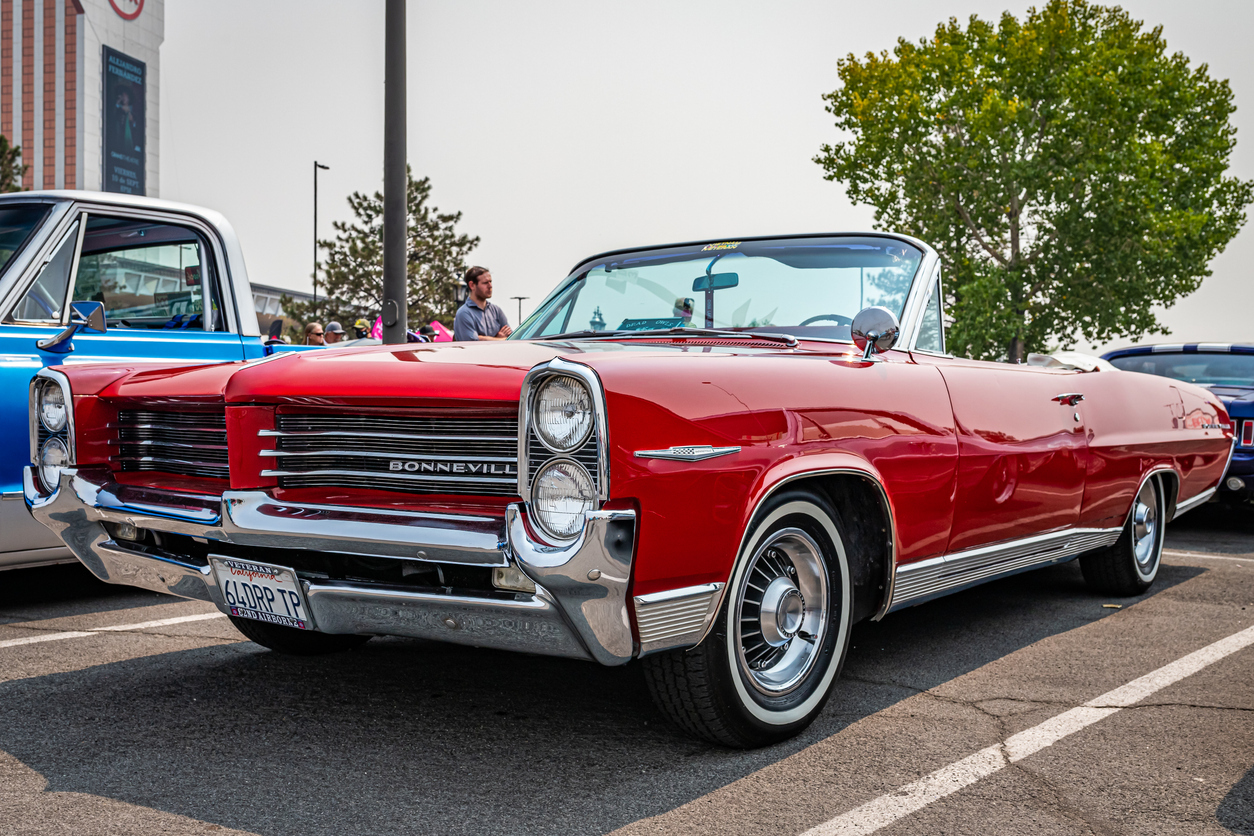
{"x": 1145, "y": 524}
{"x": 782, "y": 611}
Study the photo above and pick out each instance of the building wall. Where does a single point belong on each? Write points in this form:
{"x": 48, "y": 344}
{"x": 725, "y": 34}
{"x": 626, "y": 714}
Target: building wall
{"x": 51, "y": 84}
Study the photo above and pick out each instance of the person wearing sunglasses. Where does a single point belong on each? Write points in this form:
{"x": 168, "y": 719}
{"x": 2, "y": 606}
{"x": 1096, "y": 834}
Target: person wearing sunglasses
{"x": 314, "y": 334}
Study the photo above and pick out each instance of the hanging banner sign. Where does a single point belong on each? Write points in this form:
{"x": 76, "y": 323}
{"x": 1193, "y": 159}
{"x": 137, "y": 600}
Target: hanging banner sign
{"x": 125, "y": 83}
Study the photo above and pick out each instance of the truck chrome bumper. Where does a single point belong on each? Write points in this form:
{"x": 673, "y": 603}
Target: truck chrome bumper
{"x": 579, "y": 608}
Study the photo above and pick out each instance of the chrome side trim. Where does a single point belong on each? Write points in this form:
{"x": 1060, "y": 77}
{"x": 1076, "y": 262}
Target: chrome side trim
{"x": 928, "y": 579}
{"x": 689, "y": 453}
{"x": 676, "y": 617}
{"x": 890, "y": 576}
{"x": 1193, "y": 502}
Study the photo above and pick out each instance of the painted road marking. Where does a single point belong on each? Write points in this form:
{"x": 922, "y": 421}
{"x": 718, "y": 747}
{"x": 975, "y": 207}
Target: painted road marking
{"x": 78, "y": 634}
{"x": 1207, "y": 556}
{"x": 913, "y": 797}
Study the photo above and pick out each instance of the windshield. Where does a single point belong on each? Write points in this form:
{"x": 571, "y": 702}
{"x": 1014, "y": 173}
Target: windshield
{"x": 1203, "y": 368}
{"x": 805, "y": 287}
{"x": 17, "y": 222}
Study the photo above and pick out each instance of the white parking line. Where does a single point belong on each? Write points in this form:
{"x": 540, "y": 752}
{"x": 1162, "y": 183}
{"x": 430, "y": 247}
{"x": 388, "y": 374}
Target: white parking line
{"x": 1207, "y": 556}
{"x": 913, "y": 797}
{"x": 78, "y": 634}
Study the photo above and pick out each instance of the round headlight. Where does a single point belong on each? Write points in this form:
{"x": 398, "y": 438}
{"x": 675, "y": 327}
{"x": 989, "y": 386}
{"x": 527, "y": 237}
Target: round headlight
{"x": 561, "y": 494}
{"x": 563, "y": 413}
{"x": 52, "y": 456}
{"x": 52, "y": 407}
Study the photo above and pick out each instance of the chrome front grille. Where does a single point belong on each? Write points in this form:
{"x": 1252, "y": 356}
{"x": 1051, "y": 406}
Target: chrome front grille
{"x": 471, "y": 455}
{"x": 191, "y": 443}
{"x": 538, "y": 455}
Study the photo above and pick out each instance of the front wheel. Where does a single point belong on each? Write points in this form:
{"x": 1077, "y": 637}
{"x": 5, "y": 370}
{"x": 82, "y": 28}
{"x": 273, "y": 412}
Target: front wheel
{"x": 295, "y": 642}
{"x": 1131, "y": 564}
{"x": 767, "y": 668}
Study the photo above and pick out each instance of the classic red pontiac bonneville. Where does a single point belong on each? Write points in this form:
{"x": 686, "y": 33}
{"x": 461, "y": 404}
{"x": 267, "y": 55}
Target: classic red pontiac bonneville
{"x": 713, "y": 457}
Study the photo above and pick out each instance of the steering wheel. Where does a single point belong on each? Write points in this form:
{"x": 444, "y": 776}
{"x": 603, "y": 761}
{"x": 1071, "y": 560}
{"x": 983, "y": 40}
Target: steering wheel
{"x": 837, "y": 318}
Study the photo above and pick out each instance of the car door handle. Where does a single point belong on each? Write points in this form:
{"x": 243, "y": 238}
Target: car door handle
{"x": 1068, "y": 399}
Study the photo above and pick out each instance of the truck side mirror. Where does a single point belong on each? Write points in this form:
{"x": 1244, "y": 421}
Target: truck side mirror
{"x": 88, "y": 317}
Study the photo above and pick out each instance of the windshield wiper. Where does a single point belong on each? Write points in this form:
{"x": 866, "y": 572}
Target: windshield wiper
{"x": 786, "y": 339}
{"x": 587, "y": 332}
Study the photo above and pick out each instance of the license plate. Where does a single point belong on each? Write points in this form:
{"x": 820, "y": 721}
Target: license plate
{"x": 262, "y": 592}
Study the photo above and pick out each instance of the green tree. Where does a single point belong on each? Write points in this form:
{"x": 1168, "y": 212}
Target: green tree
{"x": 11, "y": 168}
{"x": 1068, "y": 169}
{"x": 352, "y": 286}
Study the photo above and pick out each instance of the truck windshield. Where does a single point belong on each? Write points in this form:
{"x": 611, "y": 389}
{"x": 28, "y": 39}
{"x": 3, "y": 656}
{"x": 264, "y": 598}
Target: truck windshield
{"x": 17, "y": 222}
{"x": 804, "y": 287}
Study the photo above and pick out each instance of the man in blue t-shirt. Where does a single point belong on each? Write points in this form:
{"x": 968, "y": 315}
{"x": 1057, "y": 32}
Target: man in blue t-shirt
{"x": 479, "y": 319}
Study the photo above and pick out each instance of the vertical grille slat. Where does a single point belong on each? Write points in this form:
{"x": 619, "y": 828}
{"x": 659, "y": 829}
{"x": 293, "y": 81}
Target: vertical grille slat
{"x": 423, "y": 454}
{"x": 188, "y": 442}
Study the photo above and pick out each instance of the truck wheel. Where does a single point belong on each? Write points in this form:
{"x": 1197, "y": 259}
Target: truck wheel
{"x": 295, "y": 642}
{"x": 766, "y": 669}
{"x": 1131, "y": 564}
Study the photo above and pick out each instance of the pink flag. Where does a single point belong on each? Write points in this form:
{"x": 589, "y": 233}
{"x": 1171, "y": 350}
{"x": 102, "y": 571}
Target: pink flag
{"x": 442, "y": 334}
{"x": 377, "y": 330}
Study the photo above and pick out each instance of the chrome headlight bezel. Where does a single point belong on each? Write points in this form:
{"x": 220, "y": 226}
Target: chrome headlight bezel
{"x": 39, "y": 432}
{"x": 580, "y": 434}
{"x": 534, "y": 454}
{"x": 52, "y": 443}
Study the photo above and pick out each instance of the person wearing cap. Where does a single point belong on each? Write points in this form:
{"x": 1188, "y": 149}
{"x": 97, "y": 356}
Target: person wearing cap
{"x": 479, "y": 319}
{"x": 314, "y": 334}
{"x": 361, "y": 329}
{"x": 335, "y": 332}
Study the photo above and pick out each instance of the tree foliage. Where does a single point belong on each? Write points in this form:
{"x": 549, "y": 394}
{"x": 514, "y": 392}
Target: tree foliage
{"x": 352, "y": 285}
{"x": 11, "y": 168}
{"x": 1068, "y": 169}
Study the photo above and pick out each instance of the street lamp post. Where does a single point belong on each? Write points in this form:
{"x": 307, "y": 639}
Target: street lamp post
{"x": 317, "y": 165}
{"x": 520, "y": 301}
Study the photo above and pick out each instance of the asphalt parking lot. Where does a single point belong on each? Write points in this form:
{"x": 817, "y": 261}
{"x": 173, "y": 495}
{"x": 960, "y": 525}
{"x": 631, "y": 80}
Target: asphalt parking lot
{"x": 1005, "y": 709}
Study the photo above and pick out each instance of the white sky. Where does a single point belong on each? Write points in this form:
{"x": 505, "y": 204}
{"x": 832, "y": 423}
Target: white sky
{"x": 562, "y": 129}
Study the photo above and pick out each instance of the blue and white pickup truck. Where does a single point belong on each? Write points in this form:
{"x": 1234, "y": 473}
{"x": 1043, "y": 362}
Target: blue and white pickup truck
{"x": 89, "y": 277}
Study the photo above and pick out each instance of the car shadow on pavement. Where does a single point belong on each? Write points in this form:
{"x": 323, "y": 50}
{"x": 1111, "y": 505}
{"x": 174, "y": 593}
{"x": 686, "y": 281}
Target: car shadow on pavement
{"x": 413, "y": 737}
{"x": 1236, "y": 811}
{"x": 65, "y": 589}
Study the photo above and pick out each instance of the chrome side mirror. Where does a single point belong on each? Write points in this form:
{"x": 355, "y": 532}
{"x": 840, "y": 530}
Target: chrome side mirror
{"x": 874, "y": 331}
{"x": 88, "y": 317}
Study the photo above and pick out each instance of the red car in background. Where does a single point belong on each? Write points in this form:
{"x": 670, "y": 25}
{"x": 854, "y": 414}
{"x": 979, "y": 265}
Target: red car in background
{"x": 714, "y": 458}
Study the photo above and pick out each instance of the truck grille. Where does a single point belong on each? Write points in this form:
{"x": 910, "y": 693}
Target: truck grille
{"x": 189, "y": 443}
{"x": 475, "y": 456}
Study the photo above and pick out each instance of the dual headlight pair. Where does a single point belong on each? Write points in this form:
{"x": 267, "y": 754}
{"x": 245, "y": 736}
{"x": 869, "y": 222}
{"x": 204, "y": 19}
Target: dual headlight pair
{"x": 52, "y": 412}
{"x": 563, "y": 416}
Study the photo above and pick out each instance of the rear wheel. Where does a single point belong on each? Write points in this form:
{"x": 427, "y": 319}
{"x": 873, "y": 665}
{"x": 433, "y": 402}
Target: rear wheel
{"x": 767, "y": 668}
{"x": 295, "y": 642}
{"x": 1131, "y": 564}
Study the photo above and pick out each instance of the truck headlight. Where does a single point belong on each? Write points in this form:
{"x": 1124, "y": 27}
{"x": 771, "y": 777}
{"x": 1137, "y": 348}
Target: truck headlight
{"x": 563, "y": 413}
{"x": 52, "y": 412}
{"x": 53, "y": 456}
{"x": 562, "y": 494}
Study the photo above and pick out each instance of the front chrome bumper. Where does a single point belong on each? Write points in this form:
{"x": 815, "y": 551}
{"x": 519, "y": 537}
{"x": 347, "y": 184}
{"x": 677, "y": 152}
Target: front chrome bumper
{"x": 579, "y": 608}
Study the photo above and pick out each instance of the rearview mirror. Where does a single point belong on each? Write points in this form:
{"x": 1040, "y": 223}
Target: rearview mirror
{"x": 88, "y": 316}
{"x": 718, "y": 281}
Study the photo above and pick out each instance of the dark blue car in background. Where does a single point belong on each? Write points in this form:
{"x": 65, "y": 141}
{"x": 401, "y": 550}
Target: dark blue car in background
{"x": 1227, "y": 369}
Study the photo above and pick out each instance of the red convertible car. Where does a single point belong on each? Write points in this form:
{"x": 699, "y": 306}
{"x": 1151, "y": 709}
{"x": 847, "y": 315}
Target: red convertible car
{"x": 712, "y": 457}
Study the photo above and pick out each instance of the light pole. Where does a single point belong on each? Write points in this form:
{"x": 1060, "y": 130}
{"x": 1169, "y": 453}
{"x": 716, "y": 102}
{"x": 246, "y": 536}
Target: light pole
{"x": 520, "y": 301}
{"x": 317, "y": 165}
{"x": 394, "y": 176}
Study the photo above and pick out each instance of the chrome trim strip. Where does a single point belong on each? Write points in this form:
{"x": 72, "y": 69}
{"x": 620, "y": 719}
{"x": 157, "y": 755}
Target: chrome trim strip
{"x": 183, "y": 428}
{"x": 676, "y": 617}
{"x": 687, "y": 453}
{"x": 10, "y": 495}
{"x": 1193, "y": 502}
{"x": 389, "y": 474}
{"x": 938, "y": 576}
{"x": 373, "y": 455}
{"x": 404, "y": 436}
